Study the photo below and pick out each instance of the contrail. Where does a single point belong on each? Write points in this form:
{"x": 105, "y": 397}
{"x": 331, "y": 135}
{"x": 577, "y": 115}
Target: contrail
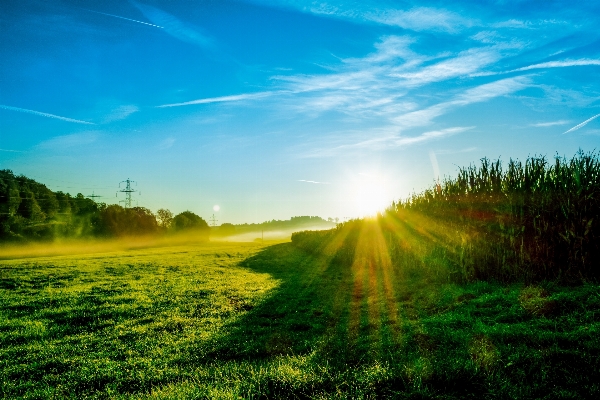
{"x": 236, "y": 97}
{"x": 42, "y": 114}
{"x": 434, "y": 164}
{"x": 584, "y": 123}
{"x": 304, "y": 180}
{"x": 127, "y": 19}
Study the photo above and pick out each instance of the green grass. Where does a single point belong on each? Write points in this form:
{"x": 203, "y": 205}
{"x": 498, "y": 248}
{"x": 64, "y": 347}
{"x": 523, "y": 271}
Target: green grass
{"x": 241, "y": 320}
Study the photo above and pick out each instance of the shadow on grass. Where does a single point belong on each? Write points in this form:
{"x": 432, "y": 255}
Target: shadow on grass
{"x": 347, "y": 319}
{"x": 342, "y": 319}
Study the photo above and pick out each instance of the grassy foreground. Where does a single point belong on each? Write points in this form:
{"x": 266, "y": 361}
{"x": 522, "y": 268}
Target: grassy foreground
{"x": 242, "y": 320}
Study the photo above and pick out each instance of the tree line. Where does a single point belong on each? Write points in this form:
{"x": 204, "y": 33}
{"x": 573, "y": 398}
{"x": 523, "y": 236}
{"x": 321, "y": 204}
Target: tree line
{"x": 31, "y": 211}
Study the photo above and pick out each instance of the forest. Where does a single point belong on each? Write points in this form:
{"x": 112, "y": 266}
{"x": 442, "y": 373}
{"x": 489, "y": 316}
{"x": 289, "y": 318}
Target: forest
{"x": 31, "y": 211}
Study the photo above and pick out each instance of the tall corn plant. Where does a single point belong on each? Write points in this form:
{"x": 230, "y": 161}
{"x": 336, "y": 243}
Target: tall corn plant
{"x": 531, "y": 221}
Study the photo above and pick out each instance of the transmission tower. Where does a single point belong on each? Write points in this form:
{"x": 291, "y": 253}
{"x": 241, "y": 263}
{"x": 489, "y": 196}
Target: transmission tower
{"x": 93, "y": 196}
{"x": 213, "y": 220}
{"x": 128, "y": 190}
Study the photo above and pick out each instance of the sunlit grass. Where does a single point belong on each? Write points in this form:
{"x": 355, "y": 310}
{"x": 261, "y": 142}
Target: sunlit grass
{"x": 240, "y": 320}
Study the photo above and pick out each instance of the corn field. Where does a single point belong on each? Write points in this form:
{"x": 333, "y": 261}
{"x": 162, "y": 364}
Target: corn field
{"x": 531, "y": 221}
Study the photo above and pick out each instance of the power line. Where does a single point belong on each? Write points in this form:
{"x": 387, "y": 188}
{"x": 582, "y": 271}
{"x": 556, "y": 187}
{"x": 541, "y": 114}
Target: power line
{"x": 213, "y": 220}
{"x": 92, "y": 196}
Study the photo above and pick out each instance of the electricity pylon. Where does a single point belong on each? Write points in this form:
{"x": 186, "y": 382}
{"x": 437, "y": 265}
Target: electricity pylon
{"x": 128, "y": 190}
{"x": 213, "y": 220}
{"x": 92, "y": 196}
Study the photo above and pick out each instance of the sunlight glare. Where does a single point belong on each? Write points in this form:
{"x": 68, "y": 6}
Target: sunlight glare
{"x": 370, "y": 195}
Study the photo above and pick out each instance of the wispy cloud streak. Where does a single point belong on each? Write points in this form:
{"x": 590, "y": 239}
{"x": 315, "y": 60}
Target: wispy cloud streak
{"x": 221, "y": 99}
{"x": 474, "y": 95}
{"x": 127, "y": 19}
{"x": 320, "y": 183}
{"x": 174, "y": 26}
{"x": 545, "y": 65}
{"x": 120, "y": 113}
{"x": 43, "y": 114}
{"x": 581, "y": 125}
{"x": 552, "y": 123}
{"x": 559, "y": 64}
{"x": 388, "y": 141}
{"x": 68, "y": 141}
{"x": 167, "y": 143}
{"x": 414, "y": 18}
{"x": 378, "y": 84}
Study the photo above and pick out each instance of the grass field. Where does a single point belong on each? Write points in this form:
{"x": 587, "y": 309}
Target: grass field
{"x": 247, "y": 320}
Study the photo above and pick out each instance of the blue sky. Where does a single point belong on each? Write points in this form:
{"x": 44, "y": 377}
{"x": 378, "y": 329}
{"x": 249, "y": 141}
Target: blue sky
{"x": 272, "y": 109}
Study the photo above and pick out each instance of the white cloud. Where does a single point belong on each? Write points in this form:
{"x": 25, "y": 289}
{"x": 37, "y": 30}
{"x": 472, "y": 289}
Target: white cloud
{"x": 551, "y": 123}
{"x": 68, "y": 141}
{"x": 463, "y": 64}
{"x": 415, "y": 18}
{"x": 386, "y": 139}
{"x": 120, "y": 113}
{"x": 167, "y": 143}
{"x": 320, "y": 183}
{"x": 379, "y": 84}
{"x": 420, "y": 19}
{"x": 477, "y": 94}
{"x": 465, "y": 150}
{"x": 559, "y": 64}
{"x": 427, "y": 136}
{"x": 550, "y": 64}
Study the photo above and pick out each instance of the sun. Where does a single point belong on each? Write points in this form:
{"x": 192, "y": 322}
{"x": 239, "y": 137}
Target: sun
{"x": 216, "y": 207}
{"x": 370, "y": 195}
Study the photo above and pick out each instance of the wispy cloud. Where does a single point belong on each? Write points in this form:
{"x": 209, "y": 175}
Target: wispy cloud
{"x": 12, "y": 151}
{"x": 420, "y": 19}
{"x": 413, "y": 18}
{"x": 462, "y": 64}
{"x": 465, "y": 150}
{"x": 581, "y": 125}
{"x": 320, "y": 183}
{"x": 221, "y": 99}
{"x": 477, "y": 94}
{"x": 427, "y": 136}
{"x": 120, "y": 113}
{"x": 434, "y": 165}
{"x": 381, "y": 141}
{"x": 127, "y": 19}
{"x": 545, "y": 65}
{"x": 551, "y": 123}
{"x": 167, "y": 143}
{"x": 43, "y": 114}
{"x": 378, "y": 85}
{"x": 68, "y": 141}
{"x": 559, "y": 64}
{"x": 174, "y": 26}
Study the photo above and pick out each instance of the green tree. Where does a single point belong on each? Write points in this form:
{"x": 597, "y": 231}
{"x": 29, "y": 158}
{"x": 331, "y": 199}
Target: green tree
{"x": 164, "y": 217}
{"x": 189, "y": 222}
{"x": 227, "y": 229}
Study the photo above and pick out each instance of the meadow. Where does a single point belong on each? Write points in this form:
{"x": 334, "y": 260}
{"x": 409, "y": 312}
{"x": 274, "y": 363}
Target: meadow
{"x": 271, "y": 320}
